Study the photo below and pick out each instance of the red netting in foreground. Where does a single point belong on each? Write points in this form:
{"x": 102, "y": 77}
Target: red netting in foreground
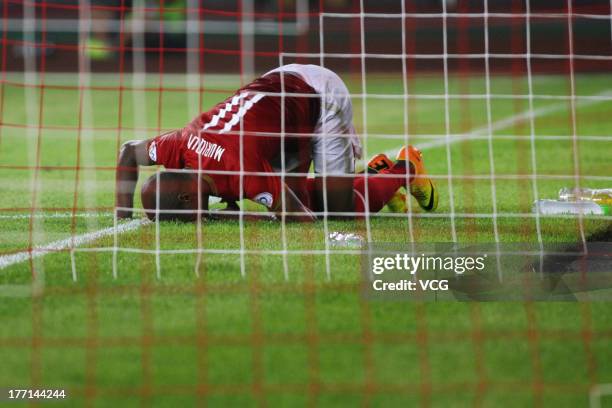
{"x": 508, "y": 102}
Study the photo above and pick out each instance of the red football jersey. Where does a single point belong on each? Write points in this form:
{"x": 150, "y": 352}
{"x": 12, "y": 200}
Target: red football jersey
{"x": 247, "y": 125}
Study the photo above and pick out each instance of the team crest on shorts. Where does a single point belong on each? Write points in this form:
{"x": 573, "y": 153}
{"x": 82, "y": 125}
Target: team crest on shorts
{"x": 264, "y": 198}
{"x": 153, "y": 151}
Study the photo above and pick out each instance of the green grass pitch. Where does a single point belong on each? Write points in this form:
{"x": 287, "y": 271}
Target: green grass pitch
{"x": 215, "y": 335}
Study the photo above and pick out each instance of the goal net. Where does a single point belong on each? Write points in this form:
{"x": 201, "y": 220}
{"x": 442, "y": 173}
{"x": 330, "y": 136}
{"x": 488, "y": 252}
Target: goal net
{"x": 508, "y": 101}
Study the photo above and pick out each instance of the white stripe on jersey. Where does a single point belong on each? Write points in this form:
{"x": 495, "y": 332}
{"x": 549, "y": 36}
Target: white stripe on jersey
{"x": 228, "y": 107}
{"x": 241, "y": 112}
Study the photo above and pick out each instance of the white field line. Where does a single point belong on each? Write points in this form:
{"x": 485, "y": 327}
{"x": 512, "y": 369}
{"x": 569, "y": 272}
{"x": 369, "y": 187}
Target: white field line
{"x": 71, "y": 242}
{"x": 56, "y": 215}
{"x": 505, "y": 123}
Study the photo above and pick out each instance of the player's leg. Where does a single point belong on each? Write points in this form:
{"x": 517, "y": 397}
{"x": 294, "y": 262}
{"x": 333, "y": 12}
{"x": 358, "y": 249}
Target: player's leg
{"x": 334, "y": 164}
{"x": 421, "y": 187}
{"x": 335, "y": 148}
{"x": 372, "y": 195}
{"x": 380, "y": 184}
{"x": 381, "y": 189}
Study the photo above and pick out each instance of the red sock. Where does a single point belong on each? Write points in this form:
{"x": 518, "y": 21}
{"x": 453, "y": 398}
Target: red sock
{"x": 381, "y": 188}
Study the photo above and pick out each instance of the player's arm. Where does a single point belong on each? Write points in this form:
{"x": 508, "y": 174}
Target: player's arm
{"x": 131, "y": 155}
{"x": 295, "y": 210}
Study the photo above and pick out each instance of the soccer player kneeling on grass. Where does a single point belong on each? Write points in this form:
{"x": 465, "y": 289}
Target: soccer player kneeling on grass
{"x": 278, "y": 123}
{"x": 179, "y": 196}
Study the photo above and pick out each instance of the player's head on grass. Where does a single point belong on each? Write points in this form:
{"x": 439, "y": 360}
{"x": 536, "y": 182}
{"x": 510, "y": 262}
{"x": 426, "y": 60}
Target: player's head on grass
{"x": 166, "y": 191}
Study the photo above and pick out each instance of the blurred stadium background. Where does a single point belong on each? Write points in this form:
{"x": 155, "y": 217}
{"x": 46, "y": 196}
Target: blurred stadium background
{"x": 236, "y": 36}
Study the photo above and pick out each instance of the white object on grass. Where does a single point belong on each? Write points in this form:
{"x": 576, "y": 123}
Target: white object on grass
{"x": 556, "y": 207}
{"x": 349, "y": 239}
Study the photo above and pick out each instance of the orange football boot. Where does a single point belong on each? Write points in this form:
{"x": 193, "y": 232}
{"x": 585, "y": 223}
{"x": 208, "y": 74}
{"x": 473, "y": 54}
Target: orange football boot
{"x": 379, "y": 162}
{"x": 421, "y": 187}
